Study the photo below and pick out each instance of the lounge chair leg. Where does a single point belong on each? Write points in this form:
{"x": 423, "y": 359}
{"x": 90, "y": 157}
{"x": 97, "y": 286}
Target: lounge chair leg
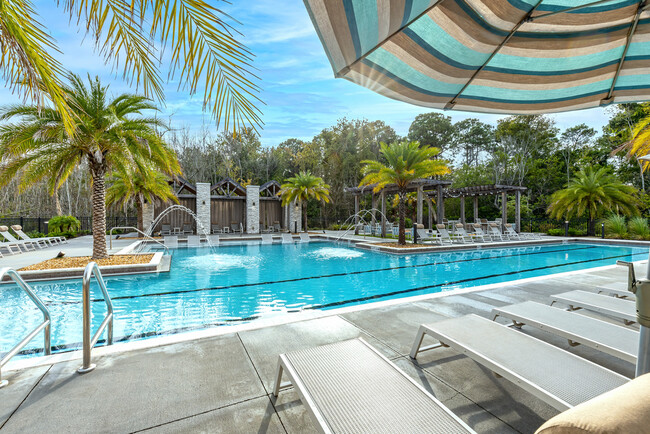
{"x": 418, "y": 342}
{"x": 278, "y": 381}
{"x": 516, "y": 324}
{"x": 626, "y": 322}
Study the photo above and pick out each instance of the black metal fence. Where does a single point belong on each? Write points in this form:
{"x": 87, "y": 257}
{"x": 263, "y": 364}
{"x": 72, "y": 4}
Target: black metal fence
{"x": 39, "y": 224}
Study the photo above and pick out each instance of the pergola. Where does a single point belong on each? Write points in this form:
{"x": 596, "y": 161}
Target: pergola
{"x": 488, "y": 190}
{"x": 421, "y": 186}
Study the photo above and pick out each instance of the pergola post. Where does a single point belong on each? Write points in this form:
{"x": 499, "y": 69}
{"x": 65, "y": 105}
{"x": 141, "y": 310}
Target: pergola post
{"x": 383, "y": 213}
{"x": 476, "y": 209}
{"x": 356, "y": 215}
{"x": 374, "y": 207}
{"x": 430, "y": 208}
{"x": 440, "y": 205}
{"x": 462, "y": 209}
{"x": 420, "y": 211}
{"x": 504, "y": 210}
{"x": 518, "y": 211}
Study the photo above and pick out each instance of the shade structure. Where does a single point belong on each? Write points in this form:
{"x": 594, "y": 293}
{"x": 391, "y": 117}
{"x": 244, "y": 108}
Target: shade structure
{"x": 496, "y": 56}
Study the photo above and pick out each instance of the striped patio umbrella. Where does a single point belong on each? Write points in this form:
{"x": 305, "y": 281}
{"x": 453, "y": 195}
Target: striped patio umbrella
{"x": 497, "y": 56}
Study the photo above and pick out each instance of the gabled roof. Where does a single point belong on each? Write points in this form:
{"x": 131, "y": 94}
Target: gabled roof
{"x": 228, "y": 187}
{"x": 181, "y": 184}
{"x": 270, "y": 188}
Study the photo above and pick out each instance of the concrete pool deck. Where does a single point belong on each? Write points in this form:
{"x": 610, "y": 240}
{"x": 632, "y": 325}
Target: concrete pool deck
{"x": 223, "y": 383}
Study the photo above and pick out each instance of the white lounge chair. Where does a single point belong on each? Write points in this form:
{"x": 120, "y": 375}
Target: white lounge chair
{"x": 424, "y": 237}
{"x": 216, "y": 229}
{"x": 187, "y": 229}
{"x": 304, "y": 237}
{"x": 479, "y": 234}
{"x": 277, "y": 227}
{"x": 27, "y": 245}
{"x": 618, "y": 341}
{"x": 171, "y": 241}
{"x": 611, "y": 306}
{"x": 494, "y": 232}
{"x": 234, "y": 227}
{"x": 445, "y": 236}
{"x": 287, "y": 238}
{"x": 348, "y": 387}
{"x": 193, "y": 241}
{"x": 12, "y": 248}
{"x": 559, "y": 378}
{"x": 462, "y": 234}
{"x": 41, "y": 242}
{"x": 511, "y": 233}
{"x": 165, "y": 230}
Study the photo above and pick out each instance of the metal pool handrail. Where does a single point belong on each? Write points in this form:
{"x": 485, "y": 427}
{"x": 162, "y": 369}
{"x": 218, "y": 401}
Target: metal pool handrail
{"x": 89, "y": 343}
{"x": 45, "y": 325}
{"x": 110, "y": 236}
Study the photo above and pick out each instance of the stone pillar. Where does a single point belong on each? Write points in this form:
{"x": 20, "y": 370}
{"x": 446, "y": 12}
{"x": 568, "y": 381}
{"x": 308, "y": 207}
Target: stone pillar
{"x": 253, "y": 209}
{"x": 203, "y": 206}
{"x": 147, "y": 215}
{"x": 356, "y": 215}
{"x": 518, "y": 211}
{"x": 295, "y": 217}
{"x": 430, "y": 208}
{"x": 476, "y": 210}
{"x": 373, "y": 213}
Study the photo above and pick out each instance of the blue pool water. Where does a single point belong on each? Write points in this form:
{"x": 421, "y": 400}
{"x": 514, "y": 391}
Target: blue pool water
{"x": 246, "y": 282}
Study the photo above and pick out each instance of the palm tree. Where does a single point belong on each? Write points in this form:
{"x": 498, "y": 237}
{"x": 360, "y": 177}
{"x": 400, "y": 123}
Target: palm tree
{"x": 138, "y": 186}
{"x": 301, "y": 188}
{"x": 594, "y": 191}
{"x": 193, "y": 36}
{"x": 405, "y": 162}
{"x": 107, "y": 135}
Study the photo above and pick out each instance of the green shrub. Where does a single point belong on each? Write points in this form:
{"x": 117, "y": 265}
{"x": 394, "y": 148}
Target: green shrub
{"x": 615, "y": 226}
{"x": 573, "y": 232}
{"x": 638, "y": 227}
{"x": 63, "y": 223}
{"x": 35, "y": 234}
{"x": 408, "y": 223}
{"x": 555, "y": 232}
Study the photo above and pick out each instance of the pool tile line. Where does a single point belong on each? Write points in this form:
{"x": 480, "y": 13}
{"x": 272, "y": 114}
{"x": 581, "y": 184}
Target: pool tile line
{"x": 324, "y": 276}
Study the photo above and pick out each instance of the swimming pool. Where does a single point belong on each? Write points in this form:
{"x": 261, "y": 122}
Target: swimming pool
{"x": 241, "y": 283}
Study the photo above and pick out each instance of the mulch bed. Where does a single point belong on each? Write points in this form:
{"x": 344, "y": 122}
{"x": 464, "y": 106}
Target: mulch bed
{"x": 82, "y": 261}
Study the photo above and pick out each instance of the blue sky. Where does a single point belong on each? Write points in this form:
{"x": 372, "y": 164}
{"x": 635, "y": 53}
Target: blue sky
{"x": 301, "y": 95}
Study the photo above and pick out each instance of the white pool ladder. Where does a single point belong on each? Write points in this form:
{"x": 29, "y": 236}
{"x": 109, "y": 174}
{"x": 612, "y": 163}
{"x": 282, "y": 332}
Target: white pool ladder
{"x": 45, "y": 325}
{"x": 88, "y": 342}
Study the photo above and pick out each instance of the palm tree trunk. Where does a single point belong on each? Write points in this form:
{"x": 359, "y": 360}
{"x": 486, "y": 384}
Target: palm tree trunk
{"x": 57, "y": 203}
{"x": 139, "y": 206}
{"x": 401, "y": 239}
{"x": 304, "y": 215}
{"x": 98, "y": 172}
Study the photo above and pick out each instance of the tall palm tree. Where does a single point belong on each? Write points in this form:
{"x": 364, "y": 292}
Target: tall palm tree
{"x": 405, "y": 162}
{"x": 301, "y": 188}
{"x": 133, "y": 185}
{"x": 593, "y": 191}
{"x": 193, "y": 36}
{"x": 108, "y": 135}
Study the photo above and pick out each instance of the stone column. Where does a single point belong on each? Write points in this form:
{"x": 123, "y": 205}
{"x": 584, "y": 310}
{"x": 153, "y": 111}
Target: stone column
{"x": 253, "y": 209}
{"x": 383, "y": 213}
{"x": 476, "y": 210}
{"x": 356, "y": 215}
{"x": 420, "y": 211}
{"x": 203, "y": 206}
{"x": 440, "y": 205}
{"x": 295, "y": 216}
{"x": 147, "y": 215}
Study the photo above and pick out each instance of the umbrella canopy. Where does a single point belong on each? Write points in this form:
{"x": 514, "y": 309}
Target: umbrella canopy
{"x": 497, "y": 56}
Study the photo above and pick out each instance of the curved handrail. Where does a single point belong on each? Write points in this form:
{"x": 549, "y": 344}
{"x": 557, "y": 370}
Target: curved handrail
{"x": 110, "y": 236}
{"x": 88, "y": 343}
{"x": 45, "y": 325}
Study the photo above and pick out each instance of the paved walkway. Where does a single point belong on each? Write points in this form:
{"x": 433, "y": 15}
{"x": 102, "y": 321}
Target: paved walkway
{"x": 223, "y": 384}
